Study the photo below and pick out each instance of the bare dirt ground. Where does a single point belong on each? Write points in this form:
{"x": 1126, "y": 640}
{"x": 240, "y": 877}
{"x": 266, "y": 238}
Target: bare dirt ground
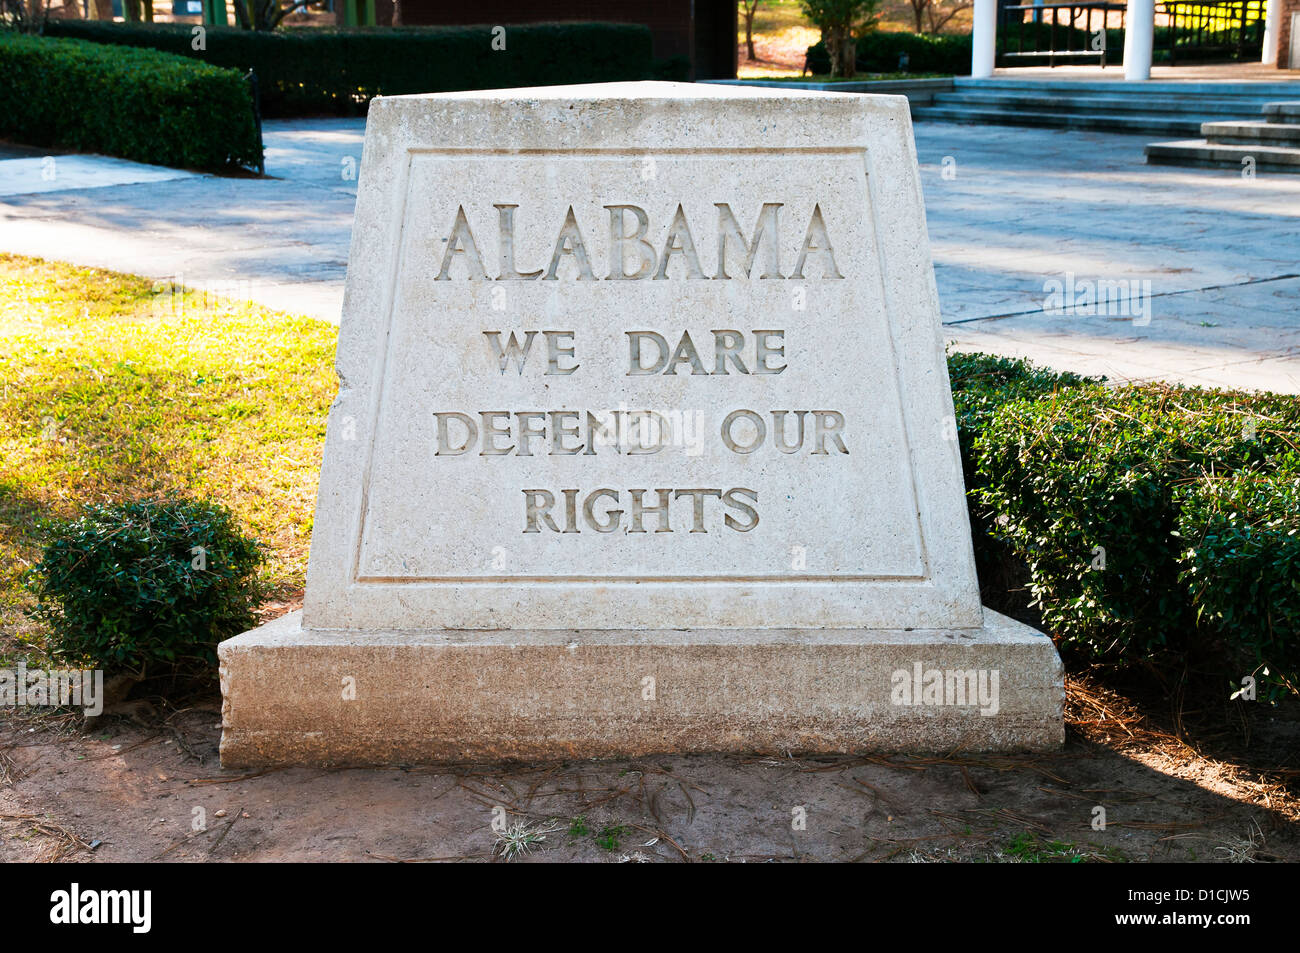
{"x": 148, "y": 787}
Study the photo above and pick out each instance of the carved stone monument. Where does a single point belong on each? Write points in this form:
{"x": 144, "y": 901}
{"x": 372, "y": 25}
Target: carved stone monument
{"x": 643, "y": 442}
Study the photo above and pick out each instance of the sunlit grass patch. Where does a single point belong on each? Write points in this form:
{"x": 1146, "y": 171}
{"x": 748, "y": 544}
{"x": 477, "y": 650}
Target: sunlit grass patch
{"x": 119, "y": 387}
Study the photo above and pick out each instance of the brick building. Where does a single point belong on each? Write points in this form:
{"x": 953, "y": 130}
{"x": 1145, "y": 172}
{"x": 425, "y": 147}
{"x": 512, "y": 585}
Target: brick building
{"x": 1288, "y": 43}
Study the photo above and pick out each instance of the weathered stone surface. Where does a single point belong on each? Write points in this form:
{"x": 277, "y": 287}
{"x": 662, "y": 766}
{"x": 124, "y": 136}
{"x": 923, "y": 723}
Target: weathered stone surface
{"x": 451, "y": 695}
{"x": 655, "y": 367}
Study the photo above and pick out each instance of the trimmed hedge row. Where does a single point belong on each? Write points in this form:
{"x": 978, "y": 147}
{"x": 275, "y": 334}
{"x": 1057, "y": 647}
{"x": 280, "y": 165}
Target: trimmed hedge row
{"x": 1241, "y": 563}
{"x": 879, "y": 52}
{"x": 136, "y": 104}
{"x": 982, "y": 383}
{"x": 1151, "y": 518}
{"x": 323, "y": 70}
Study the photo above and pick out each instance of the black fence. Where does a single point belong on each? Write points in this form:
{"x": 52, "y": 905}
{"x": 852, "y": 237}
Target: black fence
{"x": 1223, "y": 31}
{"x": 1093, "y": 31}
{"x": 1055, "y": 32}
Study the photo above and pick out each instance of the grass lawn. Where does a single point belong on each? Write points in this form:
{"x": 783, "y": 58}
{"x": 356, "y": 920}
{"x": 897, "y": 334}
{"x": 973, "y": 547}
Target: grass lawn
{"x": 114, "y": 386}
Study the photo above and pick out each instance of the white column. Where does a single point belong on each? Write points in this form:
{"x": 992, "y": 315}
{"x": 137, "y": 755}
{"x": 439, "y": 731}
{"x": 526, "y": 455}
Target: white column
{"x": 1272, "y": 14}
{"x": 984, "y": 38}
{"x": 1139, "y": 37}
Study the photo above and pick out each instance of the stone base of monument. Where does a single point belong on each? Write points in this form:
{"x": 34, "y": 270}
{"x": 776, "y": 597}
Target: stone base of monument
{"x": 293, "y": 696}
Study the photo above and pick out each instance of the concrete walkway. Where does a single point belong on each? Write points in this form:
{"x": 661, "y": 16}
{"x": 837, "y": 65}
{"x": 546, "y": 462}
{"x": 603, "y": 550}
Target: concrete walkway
{"x": 30, "y": 174}
{"x": 1201, "y": 267}
{"x": 1218, "y": 253}
{"x": 281, "y": 241}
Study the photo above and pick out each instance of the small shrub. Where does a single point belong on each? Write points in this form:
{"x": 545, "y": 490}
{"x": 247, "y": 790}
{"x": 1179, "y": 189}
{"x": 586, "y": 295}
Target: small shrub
{"x": 135, "y": 585}
{"x": 136, "y": 104}
{"x": 611, "y": 836}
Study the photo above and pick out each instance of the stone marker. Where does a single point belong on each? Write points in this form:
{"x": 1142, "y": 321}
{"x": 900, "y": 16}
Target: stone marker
{"x": 643, "y": 442}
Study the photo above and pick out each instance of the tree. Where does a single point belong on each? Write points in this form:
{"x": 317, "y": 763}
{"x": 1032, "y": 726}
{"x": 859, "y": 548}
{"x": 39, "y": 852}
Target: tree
{"x": 15, "y": 15}
{"x": 931, "y": 16}
{"x": 266, "y": 14}
{"x": 750, "y": 8}
{"x": 837, "y": 19}
{"x": 134, "y": 11}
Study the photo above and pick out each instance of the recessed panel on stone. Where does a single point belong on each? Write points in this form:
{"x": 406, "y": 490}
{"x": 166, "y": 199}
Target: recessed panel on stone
{"x": 816, "y": 444}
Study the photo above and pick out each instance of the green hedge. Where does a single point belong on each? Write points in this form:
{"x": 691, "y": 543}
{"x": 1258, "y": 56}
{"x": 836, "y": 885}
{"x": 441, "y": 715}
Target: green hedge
{"x": 136, "y": 104}
{"x": 879, "y": 52}
{"x": 1241, "y": 561}
{"x": 981, "y": 384}
{"x": 325, "y": 70}
{"x": 1150, "y": 518}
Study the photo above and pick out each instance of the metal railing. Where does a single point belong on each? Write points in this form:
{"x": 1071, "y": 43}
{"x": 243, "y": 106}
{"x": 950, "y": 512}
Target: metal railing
{"x": 1202, "y": 30}
{"x": 1220, "y": 29}
{"x": 1057, "y": 31}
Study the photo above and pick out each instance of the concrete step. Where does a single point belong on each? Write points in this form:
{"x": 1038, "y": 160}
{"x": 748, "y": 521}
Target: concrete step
{"x": 1129, "y": 122}
{"x": 1199, "y": 152}
{"x": 1252, "y": 133}
{"x": 1201, "y": 107}
{"x": 1157, "y": 108}
{"x": 1250, "y": 89}
{"x": 1282, "y": 112}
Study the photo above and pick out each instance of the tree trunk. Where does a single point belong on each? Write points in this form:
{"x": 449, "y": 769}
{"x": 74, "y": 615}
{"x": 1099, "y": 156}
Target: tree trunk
{"x": 843, "y": 51}
{"x": 749, "y": 34}
{"x": 103, "y": 9}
